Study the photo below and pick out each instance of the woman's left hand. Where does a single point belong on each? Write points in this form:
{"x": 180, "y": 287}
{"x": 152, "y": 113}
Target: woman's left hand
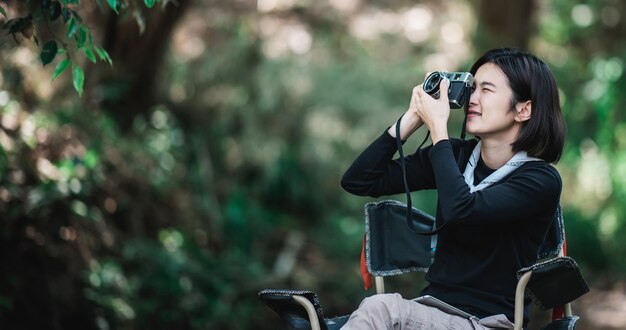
{"x": 435, "y": 112}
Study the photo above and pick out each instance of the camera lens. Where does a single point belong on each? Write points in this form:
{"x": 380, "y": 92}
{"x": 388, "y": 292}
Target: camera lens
{"x": 431, "y": 84}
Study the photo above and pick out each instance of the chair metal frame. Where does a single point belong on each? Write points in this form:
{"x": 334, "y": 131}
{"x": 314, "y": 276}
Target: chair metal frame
{"x": 310, "y": 310}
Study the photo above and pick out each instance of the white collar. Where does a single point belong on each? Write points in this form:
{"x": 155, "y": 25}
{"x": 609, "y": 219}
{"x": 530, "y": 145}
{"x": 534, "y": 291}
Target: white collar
{"x": 518, "y": 159}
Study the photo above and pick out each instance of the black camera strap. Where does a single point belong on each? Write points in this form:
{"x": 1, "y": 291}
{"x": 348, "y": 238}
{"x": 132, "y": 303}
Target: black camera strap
{"x": 409, "y": 202}
{"x": 468, "y": 93}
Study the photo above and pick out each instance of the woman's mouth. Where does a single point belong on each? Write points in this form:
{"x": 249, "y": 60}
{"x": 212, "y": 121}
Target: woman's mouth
{"x": 473, "y": 113}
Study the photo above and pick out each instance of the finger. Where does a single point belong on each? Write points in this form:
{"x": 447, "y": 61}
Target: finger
{"x": 422, "y": 97}
{"x": 416, "y": 89}
{"x": 420, "y": 90}
{"x": 414, "y": 98}
{"x": 443, "y": 88}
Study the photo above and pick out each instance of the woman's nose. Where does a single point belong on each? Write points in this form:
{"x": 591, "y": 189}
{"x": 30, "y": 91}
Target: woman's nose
{"x": 474, "y": 96}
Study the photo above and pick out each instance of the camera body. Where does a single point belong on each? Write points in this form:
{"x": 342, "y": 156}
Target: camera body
{"x": 458, "y": 90}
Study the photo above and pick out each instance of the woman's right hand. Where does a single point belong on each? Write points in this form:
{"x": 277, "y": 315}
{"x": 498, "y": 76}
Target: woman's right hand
{"x": 411, "y": 120}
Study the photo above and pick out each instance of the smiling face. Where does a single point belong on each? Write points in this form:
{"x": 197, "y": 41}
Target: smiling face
{"x": 516, "y": 101}
{"x": 490, "y": 114}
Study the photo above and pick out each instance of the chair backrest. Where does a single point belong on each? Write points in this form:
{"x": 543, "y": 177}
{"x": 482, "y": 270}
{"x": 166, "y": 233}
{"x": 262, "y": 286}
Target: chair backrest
{"x": 391, "y": 248}
{"x": 555, "y": 238}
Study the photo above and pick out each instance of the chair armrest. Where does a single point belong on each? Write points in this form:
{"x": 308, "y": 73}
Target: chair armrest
{"x": 551, "y": 283}
{"x": 298, "y": 309}
{"x": 555, "y": 282}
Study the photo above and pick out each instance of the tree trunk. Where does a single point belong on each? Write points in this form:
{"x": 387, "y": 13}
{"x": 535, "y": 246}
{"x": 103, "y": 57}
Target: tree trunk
{"x": 137, "y": 57}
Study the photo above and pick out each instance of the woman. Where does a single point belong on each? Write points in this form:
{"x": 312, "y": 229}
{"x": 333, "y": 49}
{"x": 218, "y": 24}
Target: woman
{"x": 497, "y": 208}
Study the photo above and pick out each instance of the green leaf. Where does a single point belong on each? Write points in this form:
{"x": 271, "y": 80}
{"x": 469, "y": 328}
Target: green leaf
{"x": 72, "y": 27}
{"x": 66, "y": 14}
{"x": 16, "y": 25}
{"x": 149, "y": 3}
{"x": 91, "y": 159}
{"x": 82, "y": 36}
{"x": 61, "y": 67}
{"x": 78, "y": 78}
{"x": 90, "y": 55}
{"x": 48, "y": 52}
{"x": 103, "y": 55}
{"x": 76, "y": 16}
{"x": 113, "y": 5}
{"x": 4, "y": 13}
{"x": 54, "y": 10}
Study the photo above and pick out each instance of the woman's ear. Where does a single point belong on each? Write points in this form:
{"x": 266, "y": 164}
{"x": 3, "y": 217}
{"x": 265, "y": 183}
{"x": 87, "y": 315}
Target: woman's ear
{"x": 523, "y": 111}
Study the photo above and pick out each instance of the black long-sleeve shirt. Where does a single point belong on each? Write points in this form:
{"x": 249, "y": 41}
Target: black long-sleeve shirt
{"x": 491, "y": 233}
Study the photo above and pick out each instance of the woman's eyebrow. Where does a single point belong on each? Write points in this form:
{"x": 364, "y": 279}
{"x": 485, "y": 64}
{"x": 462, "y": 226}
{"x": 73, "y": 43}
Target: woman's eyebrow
{"x": 486, "y": 83}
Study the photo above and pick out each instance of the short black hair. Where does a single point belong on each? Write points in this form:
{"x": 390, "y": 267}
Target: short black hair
{"x": 543, "y": 135}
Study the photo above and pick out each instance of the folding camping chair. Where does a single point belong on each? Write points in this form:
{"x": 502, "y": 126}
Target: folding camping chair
{"x": 553, "y": 282}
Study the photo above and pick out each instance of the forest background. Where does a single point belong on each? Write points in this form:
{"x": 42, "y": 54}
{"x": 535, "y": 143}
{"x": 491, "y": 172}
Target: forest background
{"x": 164, "y": 190}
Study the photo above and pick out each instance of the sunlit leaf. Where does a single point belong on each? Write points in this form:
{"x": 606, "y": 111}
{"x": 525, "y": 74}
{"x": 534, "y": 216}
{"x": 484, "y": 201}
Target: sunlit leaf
{"x": 4, "y": 13}
{"x": 79, "y": 208}
{"x": 61, "y": 67}
{"x": 72, "y": 27}
{"x": 78, "y": 79}
{"x": 149, "y": 3}
{"x": 141, "y": 21}
{"x": 91, "y": 159}
{"x": 48, "y": 52}
{"x": 90, "y": 55}
{"x": 113, "y": 5}
{"x": 76, "y": 16}
{"x": 103, "y": 55}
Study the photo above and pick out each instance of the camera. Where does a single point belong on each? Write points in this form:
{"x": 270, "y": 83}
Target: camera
{"x": 458, "y": 89}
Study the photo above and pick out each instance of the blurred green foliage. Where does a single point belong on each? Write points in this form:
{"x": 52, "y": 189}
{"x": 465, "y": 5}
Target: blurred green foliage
{"x": 174, "y": 215}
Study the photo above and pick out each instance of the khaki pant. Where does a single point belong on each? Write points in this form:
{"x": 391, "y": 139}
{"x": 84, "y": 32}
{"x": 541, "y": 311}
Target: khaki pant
{"x": 391, "y": 311}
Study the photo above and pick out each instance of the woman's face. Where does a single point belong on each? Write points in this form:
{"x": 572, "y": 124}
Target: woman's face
{"x": 489, "y": 113}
